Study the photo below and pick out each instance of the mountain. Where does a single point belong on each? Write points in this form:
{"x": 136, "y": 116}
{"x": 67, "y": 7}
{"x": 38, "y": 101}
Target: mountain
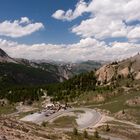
{"x": 18, "y": 74}
{"x": 65, "y": 69}
{"x": 5, "y": 58}
{"x": 60, "y": 70}
{"x": 23, "y": 72}
{"x": 80, "y": 67}
{"x": 86, "y": 66}
{"x": 60, "y": 73}
{"x": 127, "y": 68}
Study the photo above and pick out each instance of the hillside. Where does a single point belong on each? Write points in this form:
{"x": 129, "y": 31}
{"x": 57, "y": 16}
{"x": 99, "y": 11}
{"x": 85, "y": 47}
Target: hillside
{"x": 17, "y": 74}
{"x": 112, "y": 91}
{"x": 51, "y": 71}
{"x": 5, "y": 58}
{"x": 69, "y": 69}
{"x": 61, "y": 71}
{"x": 72, "y": 88}
{"x": 87, "y": 66}
{"x": 17, "y": 130}
{"x": 15, "y": 71}
{"x": 21, "y": 76}
{"x": 124, "y": 69}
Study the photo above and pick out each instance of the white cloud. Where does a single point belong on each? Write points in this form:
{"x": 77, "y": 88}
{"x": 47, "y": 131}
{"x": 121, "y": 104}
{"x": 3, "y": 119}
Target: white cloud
{"x": 19, "y": 28}
{"x": 101, "y": 27}
{"x": 85, "y": 49}
{"x": 59, "y": 14}
{"x": 70, "y": 15}
{"x": 24, "y": 20}
{"x": 134, "y": 33}
{"x": 126, "y": 9}
{"x": 107, "y": 19}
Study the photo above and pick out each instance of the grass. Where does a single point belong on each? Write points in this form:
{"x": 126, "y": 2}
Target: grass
{"x": 78, "y": 111}
{"x": 23, "y": 114}
{"x": 121, "y": 131}
{"x": 118, "y": 103}
{"x": 8, "y": 109}
{"x": 118, "y": 123}
{"x": 88, "y": 98}
{"x": 80, "y": 136}
{"x": 135, "y": 112}
{"x": 65, "y": 121}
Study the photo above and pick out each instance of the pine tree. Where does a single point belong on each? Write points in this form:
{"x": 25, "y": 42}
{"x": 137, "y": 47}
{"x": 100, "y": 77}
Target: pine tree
{"x": 123, "y": 112}
{"x": 43, "y": 124}
{"x": 107, "y": 128}
{"x": 96, "y": 134}
{"x": 75, "y": 131}
{"x": 85, "y": 134}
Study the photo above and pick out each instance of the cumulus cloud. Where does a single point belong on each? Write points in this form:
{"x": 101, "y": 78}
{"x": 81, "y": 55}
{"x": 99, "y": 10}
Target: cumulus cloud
{"x": 134, "y": 34}
{"x": 108, "y": 18}
{"x": 70, "y": 15}
{"x": 85, "y": 49}
{"x": 19, "y": 28}
{"x": 101, "y": 28}
{"x": 126, "y": 9}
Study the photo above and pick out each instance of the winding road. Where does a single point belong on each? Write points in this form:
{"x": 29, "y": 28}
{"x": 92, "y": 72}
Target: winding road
{"x": 90, "y": 117}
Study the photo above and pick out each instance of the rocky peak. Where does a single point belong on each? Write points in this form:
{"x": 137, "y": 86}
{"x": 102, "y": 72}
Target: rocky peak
{"x": 5, "y": 58}
{"x": 3, "y": 53}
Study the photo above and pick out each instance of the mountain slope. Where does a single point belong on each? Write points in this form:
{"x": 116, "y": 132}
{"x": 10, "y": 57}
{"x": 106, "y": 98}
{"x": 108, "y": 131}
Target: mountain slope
{"x": 61, "y": 71}
{"x": 17, "y": 72}
{"x": 127, "y": 68}
{"x": 86, "y": 66}
{"x": 5, "y": 58}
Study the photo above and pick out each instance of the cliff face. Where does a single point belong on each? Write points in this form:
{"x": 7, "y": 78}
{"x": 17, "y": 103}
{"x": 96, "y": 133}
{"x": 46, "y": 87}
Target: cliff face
{"x": 125, "y": 68}
{"x": 64, "y": 73}
{"x": 105, "y": 73}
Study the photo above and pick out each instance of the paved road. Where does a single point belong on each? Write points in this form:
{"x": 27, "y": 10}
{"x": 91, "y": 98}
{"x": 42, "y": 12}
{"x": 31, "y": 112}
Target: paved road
{"x": 38, "y": 118}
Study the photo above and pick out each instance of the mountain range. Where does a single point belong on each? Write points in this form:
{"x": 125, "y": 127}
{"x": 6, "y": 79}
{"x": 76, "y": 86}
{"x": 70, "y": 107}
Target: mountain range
{"x": 23, "y": 71}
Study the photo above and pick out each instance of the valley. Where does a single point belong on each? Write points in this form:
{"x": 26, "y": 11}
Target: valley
{"x": 69, "y": 69}
{"x": 50, "y": 101}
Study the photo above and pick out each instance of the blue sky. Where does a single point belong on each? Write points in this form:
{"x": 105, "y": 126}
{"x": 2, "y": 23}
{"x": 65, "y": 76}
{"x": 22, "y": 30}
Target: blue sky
{"x": 40, "y": 11}
{"x": 70, "y": 30}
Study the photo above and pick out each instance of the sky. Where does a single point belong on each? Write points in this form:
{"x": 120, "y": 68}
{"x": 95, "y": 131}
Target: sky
{"x": 70, "y": 30}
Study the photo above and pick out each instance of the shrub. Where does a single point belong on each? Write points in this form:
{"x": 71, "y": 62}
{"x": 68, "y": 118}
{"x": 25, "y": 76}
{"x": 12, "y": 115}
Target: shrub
{"x": 107, "y": 128}
{"x": 43, "y": 124}
{"x": 85, "y": 134}
{"x": 96, "y": 134}
{"x": 75, "y": 131}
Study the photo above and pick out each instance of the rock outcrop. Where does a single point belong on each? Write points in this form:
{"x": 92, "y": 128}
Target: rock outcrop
{"x": 127, "y": 68}
{"x": 105, "y": 73}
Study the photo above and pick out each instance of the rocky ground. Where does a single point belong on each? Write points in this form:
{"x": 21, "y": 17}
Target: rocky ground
{"x": 11, "y": 129}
